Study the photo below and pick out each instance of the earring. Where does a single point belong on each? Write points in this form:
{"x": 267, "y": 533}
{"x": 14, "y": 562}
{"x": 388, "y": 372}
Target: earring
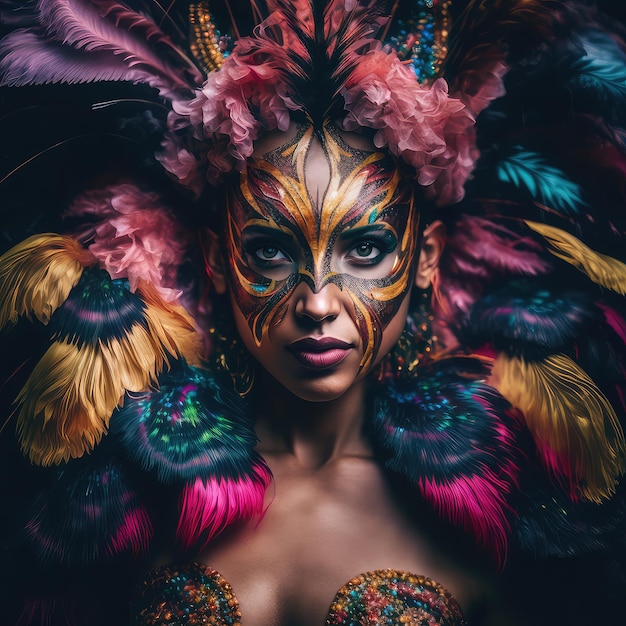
{"x": 229, "y": 353}
{"x": 415, "y": 344}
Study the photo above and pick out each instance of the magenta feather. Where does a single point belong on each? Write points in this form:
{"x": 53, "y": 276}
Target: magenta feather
{"x": 479, "y": 250}
{"x": 208, "y": 506}
{"x": 85, "y": 42}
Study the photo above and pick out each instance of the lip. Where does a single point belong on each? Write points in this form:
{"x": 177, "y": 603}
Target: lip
{"x": 320, "y": 353}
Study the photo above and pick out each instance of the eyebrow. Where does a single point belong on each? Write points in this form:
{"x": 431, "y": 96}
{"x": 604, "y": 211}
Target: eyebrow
{"x": 359, "y": 231}
{"x": 267, "y": 231}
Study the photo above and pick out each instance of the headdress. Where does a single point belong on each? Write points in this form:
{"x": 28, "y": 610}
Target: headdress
{"x": 509, "y": 117}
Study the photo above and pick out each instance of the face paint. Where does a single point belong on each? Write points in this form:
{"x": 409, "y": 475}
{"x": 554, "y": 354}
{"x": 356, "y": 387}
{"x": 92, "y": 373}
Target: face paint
{"x": 355, "y": 226}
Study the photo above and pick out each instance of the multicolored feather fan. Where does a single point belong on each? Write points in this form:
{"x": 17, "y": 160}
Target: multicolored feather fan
{"x": 105, "y": 341}
{"x": 194, "y": 432}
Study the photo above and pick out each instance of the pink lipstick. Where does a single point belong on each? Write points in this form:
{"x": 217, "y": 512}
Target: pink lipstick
{"x": 320, "y": 353}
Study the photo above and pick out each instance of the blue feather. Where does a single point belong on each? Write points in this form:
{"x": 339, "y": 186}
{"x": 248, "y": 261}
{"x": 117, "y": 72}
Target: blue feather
{"x": 602, "y": 71}
{"x": 547, "y": 184}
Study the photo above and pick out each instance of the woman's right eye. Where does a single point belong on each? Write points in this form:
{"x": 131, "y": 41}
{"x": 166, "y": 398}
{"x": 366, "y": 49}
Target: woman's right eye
{"x": 268, "y": 258}
{"x": 270, "y": 253}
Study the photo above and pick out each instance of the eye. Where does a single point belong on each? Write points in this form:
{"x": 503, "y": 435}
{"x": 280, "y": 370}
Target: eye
{"x": 270, "y": 253}
{"x": 268, "y": 259}
{"x": 367, "y": 252}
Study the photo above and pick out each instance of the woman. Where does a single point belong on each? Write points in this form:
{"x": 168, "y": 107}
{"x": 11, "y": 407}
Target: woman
{"x": 344, "y": 227}
{"x": 377, "y": 446}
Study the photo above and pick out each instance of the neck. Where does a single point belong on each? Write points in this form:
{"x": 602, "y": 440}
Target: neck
{"x": 315, "y": 433}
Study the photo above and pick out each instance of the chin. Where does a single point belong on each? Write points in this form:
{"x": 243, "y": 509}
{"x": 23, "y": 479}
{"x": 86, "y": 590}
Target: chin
{"x": 319, "y": 388}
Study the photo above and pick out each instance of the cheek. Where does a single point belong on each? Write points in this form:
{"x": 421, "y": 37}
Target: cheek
{"x": 381, "y": 308}
{"x": 256, "y": 298}
{"x": 394, "y": 329}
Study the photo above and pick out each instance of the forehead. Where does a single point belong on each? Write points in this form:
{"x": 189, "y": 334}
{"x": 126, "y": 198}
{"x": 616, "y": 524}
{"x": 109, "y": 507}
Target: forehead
{"x": 318, "y": 177}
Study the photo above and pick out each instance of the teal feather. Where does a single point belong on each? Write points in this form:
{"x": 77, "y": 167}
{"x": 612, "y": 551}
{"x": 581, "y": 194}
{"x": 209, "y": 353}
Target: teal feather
{"x": 601, "y": 73}
{"x": 547, "y": 184}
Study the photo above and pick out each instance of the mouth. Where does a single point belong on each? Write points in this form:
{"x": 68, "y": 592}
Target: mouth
{"x": 320, "y": 353}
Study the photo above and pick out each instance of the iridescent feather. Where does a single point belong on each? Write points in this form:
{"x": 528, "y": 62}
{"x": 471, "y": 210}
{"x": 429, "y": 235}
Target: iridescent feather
{"x": 523, "y": 319}
{"x": 450, "y": 435}
{"x": 194, "y": 430}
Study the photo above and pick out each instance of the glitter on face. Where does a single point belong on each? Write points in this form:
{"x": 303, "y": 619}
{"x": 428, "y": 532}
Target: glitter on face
{"x": 357, "y": 233}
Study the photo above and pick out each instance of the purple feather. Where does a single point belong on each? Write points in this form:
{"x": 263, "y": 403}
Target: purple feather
{"x": 93, "y": 41}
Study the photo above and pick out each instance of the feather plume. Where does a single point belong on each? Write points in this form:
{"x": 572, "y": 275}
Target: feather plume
{"x": 69, "y": 397}
{"x": 549, "y": 524}
{"x": 194, "y": 429}
{"x": 85, "y": 42}
{"x": 171, "y": 325}
{"x": 208, "y": 506}
{"x": 29, "y": 59}
{"x": 192, "y": 425}
{"x": 521, "y": 319}
{"x": 478, "y": 250}
{"x": 326, "y": 67}
{"x": 450, "y": 435}
{"x": 600, "y": 75}
{"x": 88, "y": 514}
{"x": 547, "y": 184}
{"x": 136, "y": 237}
{"x": 108, "y": 341}
{"x": 36, "y": 276}
{"x": 574, "y": 426}
{"x": 600, "y": 268}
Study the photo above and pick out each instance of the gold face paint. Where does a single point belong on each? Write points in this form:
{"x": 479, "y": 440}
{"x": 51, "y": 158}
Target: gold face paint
{"x": 357, "y": 230}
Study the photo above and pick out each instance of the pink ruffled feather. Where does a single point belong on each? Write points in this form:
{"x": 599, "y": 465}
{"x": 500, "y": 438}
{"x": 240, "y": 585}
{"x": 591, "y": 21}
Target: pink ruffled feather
{"x": 423, "y": 125}
{"x": 137, "y": 238}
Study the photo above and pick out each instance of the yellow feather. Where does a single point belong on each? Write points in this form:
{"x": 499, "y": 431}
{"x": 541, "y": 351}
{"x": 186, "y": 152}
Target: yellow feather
{"x": 66, "y": 404}
{"x": 69, "y": 398}
{"x": 36, "y": 276}
{"x": 600, "y": 268}
{"x": 566, "y": 412}
{"x": 171, "y": 325}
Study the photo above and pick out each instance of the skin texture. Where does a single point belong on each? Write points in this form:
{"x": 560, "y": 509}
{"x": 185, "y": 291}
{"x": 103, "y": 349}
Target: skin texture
{"x": 332, "y": 512}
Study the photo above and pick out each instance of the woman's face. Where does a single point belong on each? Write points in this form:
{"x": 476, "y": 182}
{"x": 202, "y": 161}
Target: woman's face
{"x": 320, "y": 249}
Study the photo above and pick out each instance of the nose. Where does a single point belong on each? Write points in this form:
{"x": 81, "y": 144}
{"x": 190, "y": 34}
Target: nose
{"x": 320, "y": 306}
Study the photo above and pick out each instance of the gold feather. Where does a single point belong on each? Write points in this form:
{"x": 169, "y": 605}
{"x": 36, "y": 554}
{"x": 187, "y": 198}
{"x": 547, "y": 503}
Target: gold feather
{"x": 37, "y": 275}
{"x": 69, "y": 398}
{"x": 66, "y": 404}
{"x": 567, "y": 414}
{"x": 600, "y": 268}
{"x": 171, "y": 325}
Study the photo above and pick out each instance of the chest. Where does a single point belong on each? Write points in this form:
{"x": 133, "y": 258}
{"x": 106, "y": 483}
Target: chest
{"x": 319, "y": 531}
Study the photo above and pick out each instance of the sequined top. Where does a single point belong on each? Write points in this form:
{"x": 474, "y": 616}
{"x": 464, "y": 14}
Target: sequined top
{"x": 196, "y": 594}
